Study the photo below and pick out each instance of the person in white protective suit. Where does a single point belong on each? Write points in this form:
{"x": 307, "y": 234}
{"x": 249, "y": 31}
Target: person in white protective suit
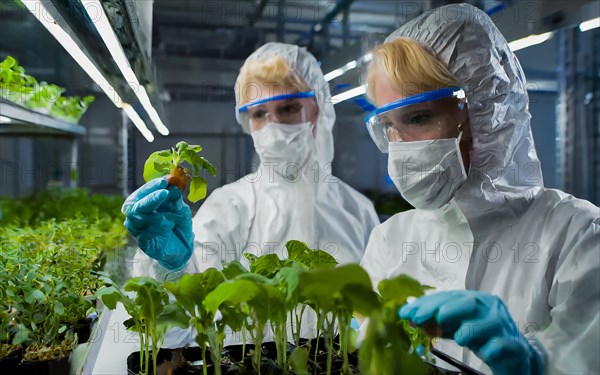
{"x": 283, "y": 102}
{"x": 515, "y": 266}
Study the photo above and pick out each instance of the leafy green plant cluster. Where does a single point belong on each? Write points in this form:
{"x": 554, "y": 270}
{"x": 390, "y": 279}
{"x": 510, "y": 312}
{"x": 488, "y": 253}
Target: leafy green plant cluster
{"x": 70, "y": 108}
{"x": 15, "y": 85}
{"x": 23, "y": 89}
{"x": 175, "y": 165}
{"x": 271, "y": 294}
{"x": 53, "y": 245}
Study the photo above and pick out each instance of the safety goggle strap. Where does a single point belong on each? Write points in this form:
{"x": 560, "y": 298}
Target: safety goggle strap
{"x": 308, "y": 94}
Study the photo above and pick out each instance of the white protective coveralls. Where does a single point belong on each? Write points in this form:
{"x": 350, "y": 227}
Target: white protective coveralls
{"x": 260, "y": 212}
{"x": 503, "y": 233}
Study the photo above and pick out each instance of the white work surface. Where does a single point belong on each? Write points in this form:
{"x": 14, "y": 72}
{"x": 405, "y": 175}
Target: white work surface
{"x": 115, "y": 344}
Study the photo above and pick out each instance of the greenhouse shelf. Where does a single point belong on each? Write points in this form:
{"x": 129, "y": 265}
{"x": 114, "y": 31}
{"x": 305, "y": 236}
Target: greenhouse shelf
{"x": 20, "y": 120}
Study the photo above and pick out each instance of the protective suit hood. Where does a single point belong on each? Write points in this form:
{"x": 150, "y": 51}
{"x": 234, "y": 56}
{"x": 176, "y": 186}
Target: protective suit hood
{"x": 504, "y": 163}
{"x": 307, "y": 67}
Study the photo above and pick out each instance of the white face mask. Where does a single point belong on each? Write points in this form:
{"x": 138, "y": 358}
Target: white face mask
{"x": 427, "y": 173}
{"x": 285, "y": 144}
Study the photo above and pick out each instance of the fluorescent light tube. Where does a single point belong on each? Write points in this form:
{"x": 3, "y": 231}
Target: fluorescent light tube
{"x": 589, "y": 24}
{"x": 39, "y": 11}
{"x": 138, "y": 122}
{"x": 349, "y": 66}
{"x": 529, "y": 41}
{"x": 100, "y": 20}
{"x": 349, "y": 94}
{"x": 334, "y": 74}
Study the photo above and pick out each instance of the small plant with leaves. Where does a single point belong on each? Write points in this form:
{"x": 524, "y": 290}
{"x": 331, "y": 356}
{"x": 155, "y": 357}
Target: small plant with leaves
{"x": 44, "y": 96}
{"x": 151, "y": 314}
{"x": 175, "y": 164}
{"x": 15, "y": 85}
{"x": 190, "y": 291}
{"x": 71, "y": 108}
{"x": 388, "y": 347}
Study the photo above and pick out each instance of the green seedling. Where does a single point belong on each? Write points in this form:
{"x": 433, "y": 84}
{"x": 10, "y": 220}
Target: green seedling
{"x": 169, "y": 164}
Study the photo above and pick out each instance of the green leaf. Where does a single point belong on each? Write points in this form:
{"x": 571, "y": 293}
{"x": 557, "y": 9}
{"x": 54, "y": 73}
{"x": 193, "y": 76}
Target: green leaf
{"x": 323, "y": 286}
{"x": 172, "y": 316}
{"x": 399, "y": 288}
{"x": 35, "y": 295}
{"x": 156, "y": 164}
{"x": 110, "y": 296}
{"x": 150, "y": 297}
{"x": 22, "y": 335}
{"x": 299, "y": 251}
{"x": 180, "y": 146}
{"x": 289, "y": 278}
{"x": 266, "y": 265}
{"x": 322, "y": 260}
{"x": 298, "y": 361}
{"x": 233, "y": 291}
{"x": 199, "y": 163}
{"x": 59, "y": 308}
{"x": 363, "y": 299}
{"x": 191, "y": 289}
{"x": 233, "y": 269}
{"x": 197, "y": 189}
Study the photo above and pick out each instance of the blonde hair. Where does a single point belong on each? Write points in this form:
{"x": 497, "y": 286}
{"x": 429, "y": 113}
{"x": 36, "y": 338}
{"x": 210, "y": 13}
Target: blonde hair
{"x": 274, "y": 71}
{"x": 410, "y": 68}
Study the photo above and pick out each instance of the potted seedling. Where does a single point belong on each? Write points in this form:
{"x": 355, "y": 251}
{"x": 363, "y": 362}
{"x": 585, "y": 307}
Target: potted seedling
{"x": 175, "y": 164}
{"x": 335, "y": 294}
{"x": 190, "y": 292}
{"x": 386, "y": 348}
{"x": 48, "y": 273}
{"x": 151, "y": 315}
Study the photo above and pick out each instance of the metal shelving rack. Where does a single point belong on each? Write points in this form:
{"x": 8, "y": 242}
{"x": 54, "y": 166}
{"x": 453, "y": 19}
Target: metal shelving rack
{"x": 19, "y": 120}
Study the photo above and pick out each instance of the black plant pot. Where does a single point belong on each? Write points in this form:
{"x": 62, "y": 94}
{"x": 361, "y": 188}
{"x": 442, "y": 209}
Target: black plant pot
{"x": 10, "y": 364}
{"x": 181, "y": 361}
{"x": 83, "y": 329}
{"x": 58, "y": 366}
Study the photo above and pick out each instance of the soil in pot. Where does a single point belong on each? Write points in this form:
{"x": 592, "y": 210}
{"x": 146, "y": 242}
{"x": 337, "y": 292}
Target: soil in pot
{"x": 181, "y": 361}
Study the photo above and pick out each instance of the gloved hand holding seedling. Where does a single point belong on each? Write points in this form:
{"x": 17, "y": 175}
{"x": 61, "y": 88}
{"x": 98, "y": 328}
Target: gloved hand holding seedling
{"x": 169, "y": 163}
{"x": 155, "y": 213}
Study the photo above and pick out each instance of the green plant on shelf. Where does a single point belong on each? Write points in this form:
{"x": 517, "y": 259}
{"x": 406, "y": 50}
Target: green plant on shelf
{"x": 15, "y": 85}
{"x": 43, "y": 97}
{"x": 53, "y": 244}
{"x": 71, "y": 108}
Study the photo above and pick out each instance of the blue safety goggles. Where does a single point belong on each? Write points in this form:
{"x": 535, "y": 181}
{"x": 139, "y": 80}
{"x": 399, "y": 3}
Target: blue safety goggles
{"x": 279, "y": 108}
{"x": 416, "y": 117}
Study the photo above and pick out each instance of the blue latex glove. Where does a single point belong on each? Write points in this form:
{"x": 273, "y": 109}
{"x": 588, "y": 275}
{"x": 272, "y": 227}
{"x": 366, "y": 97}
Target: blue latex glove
{"x": 481, "y": 322}
{"x": 161, "y": 223}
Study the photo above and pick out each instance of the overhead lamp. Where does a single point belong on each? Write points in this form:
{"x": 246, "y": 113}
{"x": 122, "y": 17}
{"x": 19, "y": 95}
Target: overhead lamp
{"x": 5, "y": 120}
{"x": 360, "y": 90}
{"x": 529, "y": 41}
{"x": 589, "y": 24}
{"x": 100, "y": 20}
{"x": 138, "y": 122}
{"x": 349, "y": 66}
{"x": 46, "y": 18}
